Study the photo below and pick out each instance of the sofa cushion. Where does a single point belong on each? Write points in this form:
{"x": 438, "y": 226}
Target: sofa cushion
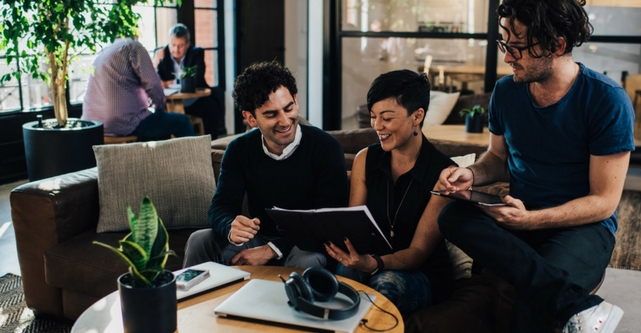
{"x": 176, "y": 174}
{"x": 83, "y": 267}
{"x": 441, "y": 105}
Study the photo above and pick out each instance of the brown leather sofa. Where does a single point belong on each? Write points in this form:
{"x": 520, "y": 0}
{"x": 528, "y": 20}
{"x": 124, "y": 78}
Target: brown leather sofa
{"x": 55, "y": 220}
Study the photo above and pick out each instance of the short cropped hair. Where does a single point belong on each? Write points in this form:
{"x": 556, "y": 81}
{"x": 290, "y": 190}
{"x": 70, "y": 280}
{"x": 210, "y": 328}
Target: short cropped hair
{"x": 410, "y": 89}
{"x": 180, "y": 31}
{"x": 546, "y": 20}
{"x": 254, "y": 85}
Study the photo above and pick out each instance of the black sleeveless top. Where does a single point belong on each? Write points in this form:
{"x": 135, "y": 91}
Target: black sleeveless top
{"x": 412, "y": 193}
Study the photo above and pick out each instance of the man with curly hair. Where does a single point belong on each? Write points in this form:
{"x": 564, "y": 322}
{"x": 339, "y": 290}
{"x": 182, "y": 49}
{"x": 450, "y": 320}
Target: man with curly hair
{"x": 564, "y": 134}
{"x": 283, "y": 164}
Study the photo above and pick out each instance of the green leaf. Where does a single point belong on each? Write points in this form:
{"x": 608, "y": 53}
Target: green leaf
{"x": 135, "y": 253}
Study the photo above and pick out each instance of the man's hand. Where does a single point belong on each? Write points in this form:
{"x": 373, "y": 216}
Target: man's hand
{"x": 512, "y": 216}
{"x": 454, "y": 178}
{"x": 158, "y": 56}
{"x": 243, "y": 229}
{"x": 254, "y": 257}
{"x": 166, "y": 84}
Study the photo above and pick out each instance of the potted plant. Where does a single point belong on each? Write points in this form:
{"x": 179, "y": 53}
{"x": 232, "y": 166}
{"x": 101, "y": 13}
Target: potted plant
{"x": 188, "y": 79}
{"x": 40, "y": 39}
{"x": 473, "y": 118}
{"x": 147, "y": 291}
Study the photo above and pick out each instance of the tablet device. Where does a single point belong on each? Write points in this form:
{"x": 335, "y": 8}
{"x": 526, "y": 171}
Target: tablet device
{"x": 479, "y": 198}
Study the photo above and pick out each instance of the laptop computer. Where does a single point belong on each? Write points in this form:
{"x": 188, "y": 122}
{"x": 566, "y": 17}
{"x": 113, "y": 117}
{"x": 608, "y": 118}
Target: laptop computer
{"x": 219, "y": 275}
{"x": 266, "y": 300}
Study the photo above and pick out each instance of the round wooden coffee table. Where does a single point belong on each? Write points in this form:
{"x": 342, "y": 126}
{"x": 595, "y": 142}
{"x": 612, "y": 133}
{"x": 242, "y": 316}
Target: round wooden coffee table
{"x": 197, "y": 314}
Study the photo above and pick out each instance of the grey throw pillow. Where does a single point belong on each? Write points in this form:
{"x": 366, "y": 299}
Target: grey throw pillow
{"x": 176, "y": 174}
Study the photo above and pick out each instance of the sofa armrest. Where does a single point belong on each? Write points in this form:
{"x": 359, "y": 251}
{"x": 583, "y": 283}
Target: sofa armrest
{"x": 46, "y": 213}
{"x": 216, "y": 159}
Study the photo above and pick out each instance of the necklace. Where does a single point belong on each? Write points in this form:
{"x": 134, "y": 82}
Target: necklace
{"x": 392, "y": 223}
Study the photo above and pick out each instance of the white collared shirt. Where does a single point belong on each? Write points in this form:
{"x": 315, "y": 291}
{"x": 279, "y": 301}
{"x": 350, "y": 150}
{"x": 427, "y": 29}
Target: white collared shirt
{"x": 289, "y": 150}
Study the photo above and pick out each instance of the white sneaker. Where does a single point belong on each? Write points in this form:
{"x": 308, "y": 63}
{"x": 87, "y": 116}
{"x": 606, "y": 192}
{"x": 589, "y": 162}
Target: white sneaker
{"x": 602, "y": 318}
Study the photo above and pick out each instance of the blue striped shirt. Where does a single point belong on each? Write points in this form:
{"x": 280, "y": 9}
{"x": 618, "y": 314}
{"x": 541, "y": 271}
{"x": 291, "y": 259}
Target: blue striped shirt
{"x": 119, "y": 90}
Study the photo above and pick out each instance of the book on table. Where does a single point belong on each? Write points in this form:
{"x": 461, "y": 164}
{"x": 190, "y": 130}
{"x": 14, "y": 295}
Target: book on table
{"x": 310, "y": 229}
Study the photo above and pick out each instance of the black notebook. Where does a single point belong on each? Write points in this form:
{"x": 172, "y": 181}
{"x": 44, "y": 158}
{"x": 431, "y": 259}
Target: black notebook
{"x": 309, "y": 229}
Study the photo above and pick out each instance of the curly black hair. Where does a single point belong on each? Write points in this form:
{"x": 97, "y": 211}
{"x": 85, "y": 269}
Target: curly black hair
{"x": 410, "y": 89}
{"x": 546, "y": 20}
{"x": 256, "y": 82}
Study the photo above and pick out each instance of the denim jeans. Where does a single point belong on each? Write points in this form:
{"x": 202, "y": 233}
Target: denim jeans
{"x": 552, "y": 270}
{"x": 163, "y": 125}
{"x": 408, "y": 290}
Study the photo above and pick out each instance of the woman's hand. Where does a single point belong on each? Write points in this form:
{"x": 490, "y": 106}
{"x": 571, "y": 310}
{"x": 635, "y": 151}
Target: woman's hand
{"x": 352, "y": 259}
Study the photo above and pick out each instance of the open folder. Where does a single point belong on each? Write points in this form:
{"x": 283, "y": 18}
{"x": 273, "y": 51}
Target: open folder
{"x": 309, "y": 229}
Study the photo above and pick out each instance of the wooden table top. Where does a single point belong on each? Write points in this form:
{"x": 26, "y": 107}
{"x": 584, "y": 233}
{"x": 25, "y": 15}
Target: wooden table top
{"x": 196, "y": 314}
{"x": 457, "y": 133}
{"x": 200, "y": 92}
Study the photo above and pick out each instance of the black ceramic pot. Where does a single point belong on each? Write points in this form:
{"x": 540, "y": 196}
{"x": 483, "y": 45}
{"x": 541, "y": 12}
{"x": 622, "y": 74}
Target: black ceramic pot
{"x": 188, "y": 85}
{"x": 149, "y": 309}
{"x": 474, "y": 124}
{"x": 54, "y": 151}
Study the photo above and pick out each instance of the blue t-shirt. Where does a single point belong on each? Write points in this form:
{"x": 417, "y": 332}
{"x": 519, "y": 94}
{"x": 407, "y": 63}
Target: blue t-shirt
{"x": 549, "y": 148}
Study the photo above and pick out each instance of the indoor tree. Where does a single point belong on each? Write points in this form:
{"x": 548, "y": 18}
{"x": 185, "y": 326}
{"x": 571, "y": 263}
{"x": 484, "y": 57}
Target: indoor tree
{"x": 44, "y": 36}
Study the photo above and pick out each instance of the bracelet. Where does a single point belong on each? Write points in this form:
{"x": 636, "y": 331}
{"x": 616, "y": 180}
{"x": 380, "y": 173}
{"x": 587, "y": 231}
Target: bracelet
{"x": 380, "y": 265}
{"x": 473, "y": 177}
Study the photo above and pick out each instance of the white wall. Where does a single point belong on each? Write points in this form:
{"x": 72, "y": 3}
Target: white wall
{"x": 230, "y": 63}
{"x": 296, "y": 48}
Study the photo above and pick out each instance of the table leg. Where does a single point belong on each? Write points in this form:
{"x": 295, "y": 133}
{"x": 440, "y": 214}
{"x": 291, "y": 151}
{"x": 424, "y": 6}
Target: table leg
{"x": 176, "y": 106}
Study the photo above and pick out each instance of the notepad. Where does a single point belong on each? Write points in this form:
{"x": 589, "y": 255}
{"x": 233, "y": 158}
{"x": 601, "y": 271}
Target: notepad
{"x": 310, "y": 229}
{"x": 170, "y": 91}
{"x": 219, "y": 275}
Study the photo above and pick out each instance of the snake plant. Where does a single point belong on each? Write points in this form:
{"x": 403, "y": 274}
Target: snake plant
{"x": 146, "y": 248}
{"x": 473, "y": 111}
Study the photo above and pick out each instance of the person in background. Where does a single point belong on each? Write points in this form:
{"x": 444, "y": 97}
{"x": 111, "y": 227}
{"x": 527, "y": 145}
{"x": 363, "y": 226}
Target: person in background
{"x": 283, "y": 164}
{"x": 393, "y": 178}
{"x": 169, "y": 62}
{"x": 118, "y": 93}
{"x": 564, "y": 134}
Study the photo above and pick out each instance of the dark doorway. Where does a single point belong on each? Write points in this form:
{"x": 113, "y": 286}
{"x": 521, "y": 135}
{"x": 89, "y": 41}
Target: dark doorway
{"x": 260, "y": 36}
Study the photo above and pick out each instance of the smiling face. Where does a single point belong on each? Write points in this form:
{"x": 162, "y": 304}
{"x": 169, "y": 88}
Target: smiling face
{"x": 393, "y": 124}
{"x": 527, "y": 69}
{"x": 178, "y": 47}
{"x": 276, "y": 119}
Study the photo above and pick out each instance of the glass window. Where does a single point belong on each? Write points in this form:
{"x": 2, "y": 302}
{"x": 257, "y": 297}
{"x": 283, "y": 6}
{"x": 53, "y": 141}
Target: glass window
{"x": 615, "y": 18}
{"x": 460, "y": 16}
{"x": 610, "y": 58}
{"x": 453, "y": 65}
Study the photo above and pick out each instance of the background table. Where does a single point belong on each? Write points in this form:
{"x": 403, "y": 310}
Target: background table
{"x": 197, "y": 314}
{"x": 457, "y": 133}
{"x": 175, "y": 101}
{"x": 175, "y": 104}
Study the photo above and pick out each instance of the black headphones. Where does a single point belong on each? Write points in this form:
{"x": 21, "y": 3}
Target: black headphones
{"x": 319, "y": 284}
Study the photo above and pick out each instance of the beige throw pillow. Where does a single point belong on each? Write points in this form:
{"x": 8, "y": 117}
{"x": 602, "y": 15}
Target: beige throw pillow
{"x": 441, "y": 105}
{"x": 176, "y": 174}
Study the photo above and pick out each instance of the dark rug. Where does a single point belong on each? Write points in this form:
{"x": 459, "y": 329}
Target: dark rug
{"x": 15, "y": 317}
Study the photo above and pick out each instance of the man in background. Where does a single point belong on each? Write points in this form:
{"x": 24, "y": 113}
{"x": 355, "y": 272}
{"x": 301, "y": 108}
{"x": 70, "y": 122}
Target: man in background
{"x": 283, "y": 164}
{"x": 170, "y": 61}
{"x": 118, "y": 93}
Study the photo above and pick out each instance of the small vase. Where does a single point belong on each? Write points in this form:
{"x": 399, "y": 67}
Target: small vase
{"x": 188, "y": 85}
{"x": 474, "y": 123}
{"x": 149, "y": 309}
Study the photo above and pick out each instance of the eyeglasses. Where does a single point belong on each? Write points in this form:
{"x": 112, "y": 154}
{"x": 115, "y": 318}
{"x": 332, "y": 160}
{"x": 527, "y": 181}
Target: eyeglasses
{"x": 514, "y": 51}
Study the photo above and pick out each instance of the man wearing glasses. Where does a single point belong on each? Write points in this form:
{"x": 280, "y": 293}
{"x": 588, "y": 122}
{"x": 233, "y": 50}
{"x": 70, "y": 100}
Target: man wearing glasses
{"x": 564, "y": 134}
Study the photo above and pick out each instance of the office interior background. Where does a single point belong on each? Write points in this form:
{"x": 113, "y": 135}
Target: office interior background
{"x": 335, "y": 49}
